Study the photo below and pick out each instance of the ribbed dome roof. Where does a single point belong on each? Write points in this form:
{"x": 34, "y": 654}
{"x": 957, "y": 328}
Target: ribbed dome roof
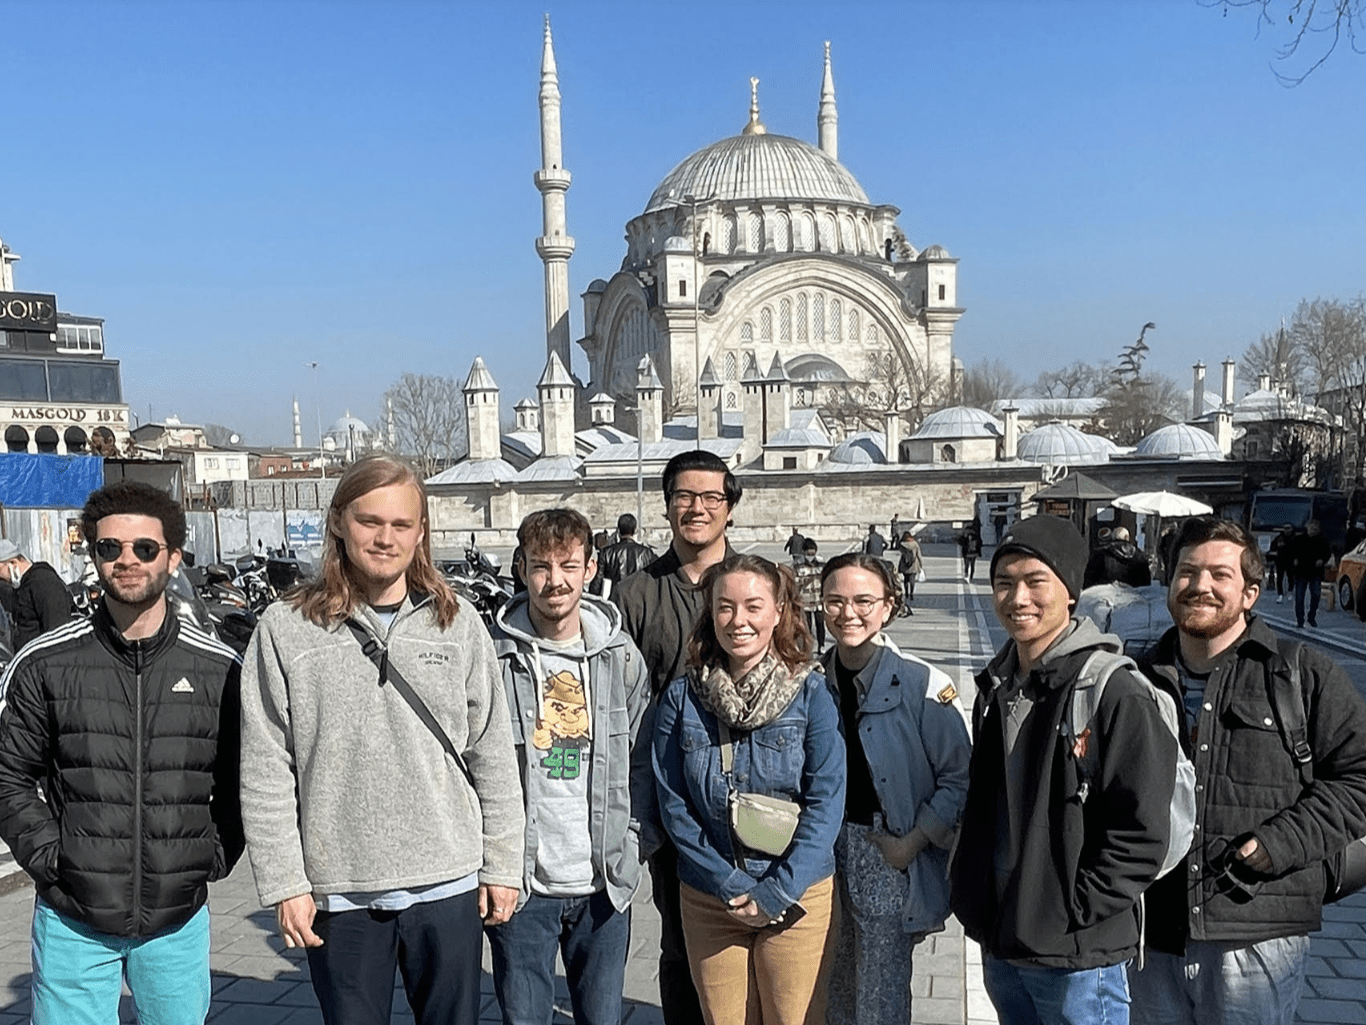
{"x": 866, "y": 448}
{"x": 960, "y": 422}
{"x": 1181, "y": 440}
{"x": 758, "y": 167}
{"x": 1062, "y": 444}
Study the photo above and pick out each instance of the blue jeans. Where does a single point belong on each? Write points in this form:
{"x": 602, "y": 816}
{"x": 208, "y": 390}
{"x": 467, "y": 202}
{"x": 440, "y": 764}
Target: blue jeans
{"x": 1315, "y": 589}
{"x": 1026, "y": 995}
{"x": 78, "y": 973}
{"x": 591, "y": 935}
{"x": 1222, "y": 984}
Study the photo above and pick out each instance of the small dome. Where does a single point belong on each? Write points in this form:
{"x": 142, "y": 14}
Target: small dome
{"x": 597, "y": 286}
{"x": 959, "y": 422}
{"x": 1181, "y": 440}
{"x": 935, "y": 253}
{"x": 677, "y": 244}
{"x": 864, "y": 448}
{"x": 747, "y": 167}
{"x": 1061, "y": 444}
{"x": 812, "y": 366}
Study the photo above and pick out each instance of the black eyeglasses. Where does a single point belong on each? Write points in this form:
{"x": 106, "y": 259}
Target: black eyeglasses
{"x": 107, "y": 549}
{"x": 711, "y": 500}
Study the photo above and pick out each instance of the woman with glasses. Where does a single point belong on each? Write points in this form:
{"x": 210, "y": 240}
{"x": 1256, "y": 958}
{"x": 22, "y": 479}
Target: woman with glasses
{"x": 749, "y": 765}
{"x": 907, "y": 755}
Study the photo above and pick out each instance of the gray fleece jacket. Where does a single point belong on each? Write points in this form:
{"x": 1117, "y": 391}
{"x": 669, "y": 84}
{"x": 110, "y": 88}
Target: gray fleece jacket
{"x": 344, "y": 789}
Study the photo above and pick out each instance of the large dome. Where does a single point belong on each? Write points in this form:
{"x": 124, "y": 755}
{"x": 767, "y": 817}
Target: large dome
{"x": 1061, "y": 444}
{"x": 758, "y": 166}
{"x": 1180, "y": 440}
{"x": 959, "y": 422}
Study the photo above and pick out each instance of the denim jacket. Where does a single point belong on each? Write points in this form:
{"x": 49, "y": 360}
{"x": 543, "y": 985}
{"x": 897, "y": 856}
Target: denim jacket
{"x": 799, "y": 756}
{"x": 917, "y": 748}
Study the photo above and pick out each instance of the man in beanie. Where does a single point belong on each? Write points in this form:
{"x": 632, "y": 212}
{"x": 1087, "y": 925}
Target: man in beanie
{"x": 1067, "y": 821}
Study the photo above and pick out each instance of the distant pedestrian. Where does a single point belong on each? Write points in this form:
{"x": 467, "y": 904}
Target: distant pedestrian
{"x": 1118, "y": 561}
{"x": 910, "y": 564}
{"x": 41, "y": 601}
{"x": 618, "y": 561}
{"x": 896, "y": 532}
{"x": 874, "y": 544}
{"x": 1309, "y": 555}
{"x": 809, "y": 587}
{"x": 1278, "y": 561}
{"x": 970, "y": 546}
{"x": 794, "y": 548}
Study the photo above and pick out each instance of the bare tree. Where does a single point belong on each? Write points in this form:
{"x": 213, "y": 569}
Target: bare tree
{"x": 1332, "y": 336}
{"x": 987, "y": 381}
{"x": 1136, "y": 408}
{"x": 429, "y": 418}
{"x": 1280, "y": 356}
{"x": 889, "y": 384}
{"x": 1077, "y": 380}
{"x": 1316, "y": 25}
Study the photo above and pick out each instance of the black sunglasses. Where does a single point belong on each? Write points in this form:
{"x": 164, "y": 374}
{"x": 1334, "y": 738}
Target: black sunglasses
{"x": 108, "y": 549}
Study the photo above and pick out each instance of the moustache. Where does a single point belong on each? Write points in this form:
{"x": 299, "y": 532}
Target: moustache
{"x": 556, "y": 592}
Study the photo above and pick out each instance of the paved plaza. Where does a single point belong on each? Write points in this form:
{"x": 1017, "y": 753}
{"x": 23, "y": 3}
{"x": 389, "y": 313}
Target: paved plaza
{"x": 258, "y": 982}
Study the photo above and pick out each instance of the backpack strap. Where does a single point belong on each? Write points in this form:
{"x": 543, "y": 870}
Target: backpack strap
{"x": 1287, "y": 701}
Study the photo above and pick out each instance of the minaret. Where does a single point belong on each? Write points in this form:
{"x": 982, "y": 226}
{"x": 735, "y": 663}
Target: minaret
{"x": 828, "y": 119}
{"x": 7, "y": 258}
{"x": 298, "y": 431}
{"x": 393, "y": 427}
{"x": 554, "y": 246}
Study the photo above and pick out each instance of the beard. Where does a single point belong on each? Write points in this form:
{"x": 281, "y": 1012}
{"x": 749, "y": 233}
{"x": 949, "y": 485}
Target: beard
{"x": 140, "y": 590}
{"x": 1204, "y": 620}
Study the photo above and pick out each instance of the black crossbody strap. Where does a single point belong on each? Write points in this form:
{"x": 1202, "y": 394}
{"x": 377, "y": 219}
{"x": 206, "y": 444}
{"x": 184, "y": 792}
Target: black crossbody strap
{"x": 1287, "y": 700}
{"x": 379, "y": 654}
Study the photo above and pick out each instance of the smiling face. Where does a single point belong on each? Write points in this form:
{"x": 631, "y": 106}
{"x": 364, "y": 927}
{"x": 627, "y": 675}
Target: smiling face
{"x": 689, "y": 518}
{"x": 1031, "y": 602}
{"x": 380, "y": 532}
{"x": 744, "y": 612}
{"x": 856, "y": 606}
{"x": 555, "y": 580}
{"x": 127, "y": 579}
{"x": 1209, "y": 597}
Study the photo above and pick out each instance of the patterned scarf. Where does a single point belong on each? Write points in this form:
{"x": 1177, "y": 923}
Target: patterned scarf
{"x": 754, "y": 700}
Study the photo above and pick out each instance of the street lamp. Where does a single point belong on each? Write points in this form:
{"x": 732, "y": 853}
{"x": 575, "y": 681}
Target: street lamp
{"x": 317, "y": 411}
{"x": 693, "y": 202}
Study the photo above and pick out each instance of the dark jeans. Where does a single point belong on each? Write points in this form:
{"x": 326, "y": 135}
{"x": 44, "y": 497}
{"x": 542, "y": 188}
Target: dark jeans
{"x": 1315, "y": 588}
{"x": 969, "y": 566}
{"x": 908, "y": 588}
{"x": 436, "y": 946}
{"x": 591, "y": 935}
{"x": 815, "y": 622}
{"x": 677, "y": 994}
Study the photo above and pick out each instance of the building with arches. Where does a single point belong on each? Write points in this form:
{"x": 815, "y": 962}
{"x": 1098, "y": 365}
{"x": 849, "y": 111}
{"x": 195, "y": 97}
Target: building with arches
{"x": 757, "y": 246}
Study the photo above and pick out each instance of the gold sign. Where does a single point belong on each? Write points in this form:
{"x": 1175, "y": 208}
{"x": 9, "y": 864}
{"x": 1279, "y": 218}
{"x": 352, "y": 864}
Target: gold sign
{"x": 70, "y": 414}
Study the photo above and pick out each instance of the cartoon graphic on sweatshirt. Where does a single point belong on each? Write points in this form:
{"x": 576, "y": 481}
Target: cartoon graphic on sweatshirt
{"x": 562, "y": 730}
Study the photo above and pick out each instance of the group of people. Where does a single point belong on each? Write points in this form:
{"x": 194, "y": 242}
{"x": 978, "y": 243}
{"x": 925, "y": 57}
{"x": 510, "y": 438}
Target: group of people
{"x": 1120, "y": 839}
{"x": 1300, "y": 556}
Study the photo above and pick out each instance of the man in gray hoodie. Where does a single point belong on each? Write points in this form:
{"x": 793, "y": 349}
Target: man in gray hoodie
{"x": 577, "y": 691}
{"x": 375, "y": 850}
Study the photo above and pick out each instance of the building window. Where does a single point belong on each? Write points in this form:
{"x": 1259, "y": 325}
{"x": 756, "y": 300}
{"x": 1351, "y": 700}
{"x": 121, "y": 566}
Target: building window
{"x": 801, "y": 317}
{"x": 766, "y": 323}
{"x": 847, "y": 242}
{"x": 756, "y": 233}
{"x": 941, "y": 293}
{"x": 871, "y": 336}
{"x": 46, "y": 438}
{"x": 836, "y": 321}
{"x": 785, "y": 320}
{"x": 789, "y": 462}
{"x": 747, "y": 333}
{"x": 728, "y": 235}
{"x": 16, "y": 439}
{"x": 782, "y": 232}
{"x": 75, "y": 440}
{"x": 682, "y": 288}
{"x": 827, "y": 233}
{"x": 730, "y": 400}
{"x": 732, "y": 366}
{"x": 853, "y": 325}
{"x": 79, "y": 338}
{"x": 234, "y": 463}
{"x": 948, "y": 455}
{"x": 818, "y": 317}
{"x": 806, "y": 233}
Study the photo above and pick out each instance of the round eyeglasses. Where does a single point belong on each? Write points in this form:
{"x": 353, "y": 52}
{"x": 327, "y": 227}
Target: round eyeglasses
{"x": 108, "y": 549}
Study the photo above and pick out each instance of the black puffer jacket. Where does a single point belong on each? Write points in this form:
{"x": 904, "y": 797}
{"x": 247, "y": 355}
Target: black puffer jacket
{"x": 41, "y": 603}
{"x": 136, "y": 745}
{"x": 1086, "y": 852}
{"x": 1247, "y": 782}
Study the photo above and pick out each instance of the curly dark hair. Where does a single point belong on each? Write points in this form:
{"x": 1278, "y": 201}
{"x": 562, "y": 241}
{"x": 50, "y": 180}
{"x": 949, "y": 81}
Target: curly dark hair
{"x": 134, "y": 498}
{"x": 1199, "y": 529}
{"x": 791, "y": 640}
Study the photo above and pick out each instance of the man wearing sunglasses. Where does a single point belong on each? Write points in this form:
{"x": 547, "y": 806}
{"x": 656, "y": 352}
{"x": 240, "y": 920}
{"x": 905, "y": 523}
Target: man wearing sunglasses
{"x": 41, "y": 600}
{"x": 659, "y": 605}
{"x": 129, "y": 720}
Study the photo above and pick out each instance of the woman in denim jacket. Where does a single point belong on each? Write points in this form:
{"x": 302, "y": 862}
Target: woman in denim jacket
{"x": 908, "y": 753}
{"x": 748, "y": 915}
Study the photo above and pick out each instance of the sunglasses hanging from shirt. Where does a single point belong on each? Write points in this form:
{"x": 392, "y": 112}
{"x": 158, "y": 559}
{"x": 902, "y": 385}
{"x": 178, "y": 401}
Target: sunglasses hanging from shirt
{"x": 108, "y": 549}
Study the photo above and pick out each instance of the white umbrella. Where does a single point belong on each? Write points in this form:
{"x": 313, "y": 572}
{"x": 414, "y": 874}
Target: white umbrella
{"x": 1161, "y": 503}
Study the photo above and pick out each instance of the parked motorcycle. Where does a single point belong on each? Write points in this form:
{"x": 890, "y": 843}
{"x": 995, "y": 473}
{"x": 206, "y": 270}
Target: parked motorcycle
{"x": 478, "y": 579}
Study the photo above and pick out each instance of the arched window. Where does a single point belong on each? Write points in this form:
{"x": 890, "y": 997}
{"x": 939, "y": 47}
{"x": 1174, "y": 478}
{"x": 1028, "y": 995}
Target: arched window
{"x": 46, "y": 438}
{"x": 756, "y": 233}
{"x": 782, "y": 232}
{"x": 747, "y": 333}
{"x": 864, "y": 234}
{"x": 853, "y": 326}
{"x": 16, "y": 439}
{"x": 818, "y": 317}
{"x": 785, "y": 320}
{"x": 75, "y": 439}
{"x": 827, "y": 224}
{"x": 847, "y": 242}
{"x": 766, "y": 323}
{"x": 801, "y": 317}
{"x": 806, "y": 233}
{"x": 836, "y": 321}
{"x": 732, "y": 366}
{"x": 727, "y": 235}
{"x": 948, "y": 455}
{"x": 871, "y": 336}
{"x": 730, "y": 400}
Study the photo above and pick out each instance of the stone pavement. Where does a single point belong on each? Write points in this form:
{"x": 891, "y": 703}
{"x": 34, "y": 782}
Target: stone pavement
{"x": 258, "y": 982}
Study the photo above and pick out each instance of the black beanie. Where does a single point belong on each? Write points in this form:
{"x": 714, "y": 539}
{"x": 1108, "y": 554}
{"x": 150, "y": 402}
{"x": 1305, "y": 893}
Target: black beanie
{"x": 1052, "y": 540}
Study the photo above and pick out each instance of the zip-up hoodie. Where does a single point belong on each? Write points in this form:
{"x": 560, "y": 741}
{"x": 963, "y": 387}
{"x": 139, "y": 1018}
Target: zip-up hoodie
{"x": 621, "y": 786}
{"x": 1083, "y": 851}
{"x": 344, "y": 789}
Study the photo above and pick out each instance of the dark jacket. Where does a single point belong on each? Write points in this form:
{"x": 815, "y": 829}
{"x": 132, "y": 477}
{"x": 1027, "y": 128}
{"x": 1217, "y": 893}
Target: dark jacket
{"x": 136, "y": 745}
{"x": 619, "y": 561}
{"x": 874, "y": 543}
{"x": 1248, "y": 783}
{"x": 970, "y": 542}
{"x": 1069, "y": 898}
{"x": 1117, "y": 562}
{"x": 659, "y": 606}
{"x": 41, "y": 603}
{"x": 1306, "y": 555}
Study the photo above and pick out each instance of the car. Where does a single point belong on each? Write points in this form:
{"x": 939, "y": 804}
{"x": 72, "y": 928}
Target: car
{"x": 1351, "y": 576}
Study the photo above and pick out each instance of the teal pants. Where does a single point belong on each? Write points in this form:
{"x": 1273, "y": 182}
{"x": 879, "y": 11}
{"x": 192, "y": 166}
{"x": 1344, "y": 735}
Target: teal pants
{"x": 78, "y": 973}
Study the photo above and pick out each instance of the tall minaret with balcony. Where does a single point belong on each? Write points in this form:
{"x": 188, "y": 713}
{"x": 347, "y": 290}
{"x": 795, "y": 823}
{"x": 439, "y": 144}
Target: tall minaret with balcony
{"x": 827, "y": 118}
{"x": 552, "y": 180}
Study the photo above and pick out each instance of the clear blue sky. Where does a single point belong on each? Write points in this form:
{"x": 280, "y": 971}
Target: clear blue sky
{"x": 241, "y": 187}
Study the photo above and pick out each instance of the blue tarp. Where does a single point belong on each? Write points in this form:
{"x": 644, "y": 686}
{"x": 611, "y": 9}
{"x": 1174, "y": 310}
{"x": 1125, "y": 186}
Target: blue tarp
{"x": 34, "y": 481}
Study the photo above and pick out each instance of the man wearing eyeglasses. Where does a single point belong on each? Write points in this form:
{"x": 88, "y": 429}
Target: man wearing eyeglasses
{"x": 129, "y": 721}
{"x": 659, "y": 605}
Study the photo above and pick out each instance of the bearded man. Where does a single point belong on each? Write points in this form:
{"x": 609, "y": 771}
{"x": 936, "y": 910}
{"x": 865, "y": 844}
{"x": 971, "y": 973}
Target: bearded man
{"x": 1277, "y": 733}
